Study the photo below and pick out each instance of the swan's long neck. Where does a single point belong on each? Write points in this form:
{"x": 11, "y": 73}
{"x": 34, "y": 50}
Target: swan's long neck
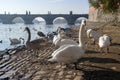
{"x": 29, "y": 35}
{"x": 81, "y": 35}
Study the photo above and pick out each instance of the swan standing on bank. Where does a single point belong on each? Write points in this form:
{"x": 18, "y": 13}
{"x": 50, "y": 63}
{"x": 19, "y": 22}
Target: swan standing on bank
{"x": 70, "y": 53}
{"x": 93, "y": 35}
{"x": 104, "y": 42}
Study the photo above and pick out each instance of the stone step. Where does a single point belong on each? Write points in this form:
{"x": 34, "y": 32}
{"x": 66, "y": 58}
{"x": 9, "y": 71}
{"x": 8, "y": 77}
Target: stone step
{"x": 7, "y": 75}
{"x": 8, "y": 62}
{"x": 29, "y": 75}
{"x": 12, "y": 65}
{"x": 20, "y": 63}
{"x": 5, "y": 58}
{"x": 12, "y": 70}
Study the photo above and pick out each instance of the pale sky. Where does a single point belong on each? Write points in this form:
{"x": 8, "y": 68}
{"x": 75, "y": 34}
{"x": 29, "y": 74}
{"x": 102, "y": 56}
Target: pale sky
{"x": 43, "y": 6}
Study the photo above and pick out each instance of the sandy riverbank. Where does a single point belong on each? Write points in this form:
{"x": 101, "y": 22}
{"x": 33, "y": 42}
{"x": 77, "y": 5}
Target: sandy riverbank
{"x": 24, "y": 65}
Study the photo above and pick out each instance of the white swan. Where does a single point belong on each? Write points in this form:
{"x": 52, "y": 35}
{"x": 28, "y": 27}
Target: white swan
{"x": 59, "y": 41}
{"x": 55, "y": 38}
{"x": 16, "y": 41}
{"x": 104, "y": 42}
{"x": 93, "y": 35}
{"x": 70, "y": 53}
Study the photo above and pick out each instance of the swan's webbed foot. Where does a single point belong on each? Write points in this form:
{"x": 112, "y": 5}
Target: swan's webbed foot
{"x": 107, "y": 51}
{"x": 76, "y": 66}
{"x": 68, "y": 66}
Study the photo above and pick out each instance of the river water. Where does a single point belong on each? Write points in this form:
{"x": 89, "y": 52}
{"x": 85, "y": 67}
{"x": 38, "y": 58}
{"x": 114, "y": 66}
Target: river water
{"x": 17, "y": 30}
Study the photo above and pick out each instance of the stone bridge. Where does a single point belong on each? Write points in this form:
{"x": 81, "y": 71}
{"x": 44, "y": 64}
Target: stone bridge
{"x": 28, "y": 18}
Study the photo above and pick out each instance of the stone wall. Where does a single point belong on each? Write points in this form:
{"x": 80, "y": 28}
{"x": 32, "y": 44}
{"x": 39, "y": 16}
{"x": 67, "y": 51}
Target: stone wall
{"x": 96, "y": 15}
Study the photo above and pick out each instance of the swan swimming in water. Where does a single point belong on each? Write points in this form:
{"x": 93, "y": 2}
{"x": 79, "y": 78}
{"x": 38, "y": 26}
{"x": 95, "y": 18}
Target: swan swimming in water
{"x": 70, "y": 53}
{"x": 15, "y": 41}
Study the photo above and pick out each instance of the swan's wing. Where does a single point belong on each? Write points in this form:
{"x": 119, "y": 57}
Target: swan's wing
{"x": 38, "y": 41}
{"x": 55, "y": 38}
{"x": 68, "y": 54}
{"x": 61, "y": 47}
{"x": 71, "y": 50}
{"x": 14, "y": 41}
{"x": 88, "y": 33}
{"x": 68, "y": 41}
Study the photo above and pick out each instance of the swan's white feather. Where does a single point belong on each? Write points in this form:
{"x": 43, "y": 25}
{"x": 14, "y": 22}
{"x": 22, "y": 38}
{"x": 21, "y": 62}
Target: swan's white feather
{"x": 93, "y": 34}
{"x": 67, "y": 54}
{"x": 60, "y": 42}
{"x": 104, "y": 41}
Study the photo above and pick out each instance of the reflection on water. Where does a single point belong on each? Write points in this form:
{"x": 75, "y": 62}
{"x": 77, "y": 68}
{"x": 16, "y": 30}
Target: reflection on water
{"x": 17, "y": 30}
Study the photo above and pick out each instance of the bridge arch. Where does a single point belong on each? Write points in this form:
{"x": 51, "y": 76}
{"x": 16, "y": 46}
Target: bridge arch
{"x": 18, "y": 20}
{"x": 78, "y": 20}
{"x": 39, "y": 20}
{"x": 60, "y": 20}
